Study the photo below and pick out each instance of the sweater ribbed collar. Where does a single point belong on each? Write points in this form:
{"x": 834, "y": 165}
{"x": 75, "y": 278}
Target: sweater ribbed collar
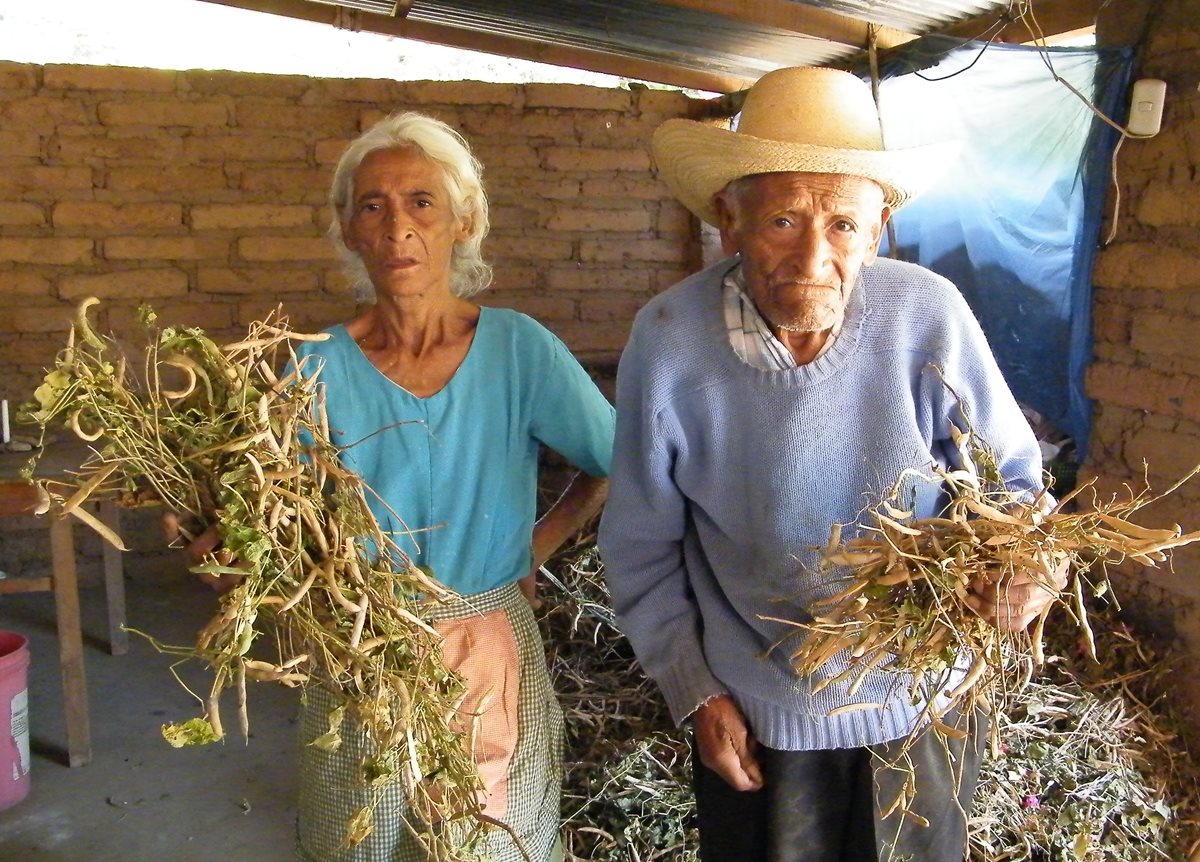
{"x": 835, "y": 357}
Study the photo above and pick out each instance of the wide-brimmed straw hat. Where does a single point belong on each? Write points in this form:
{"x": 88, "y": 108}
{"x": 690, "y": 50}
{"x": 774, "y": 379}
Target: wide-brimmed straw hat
{"x": 805, "y": 119}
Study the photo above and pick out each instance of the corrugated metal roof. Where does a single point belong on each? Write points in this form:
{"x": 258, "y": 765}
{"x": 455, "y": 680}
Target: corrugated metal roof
{"x": 379, "y": 7}
{"x": 653, "y": 32}
{"x": 728, "y": 39}
{"x": 721, "y": 45}
{"x": 911, "y": 16}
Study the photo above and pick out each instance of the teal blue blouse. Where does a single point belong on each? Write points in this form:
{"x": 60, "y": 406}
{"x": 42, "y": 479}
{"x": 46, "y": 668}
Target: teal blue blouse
{"x": 456, "y": 473}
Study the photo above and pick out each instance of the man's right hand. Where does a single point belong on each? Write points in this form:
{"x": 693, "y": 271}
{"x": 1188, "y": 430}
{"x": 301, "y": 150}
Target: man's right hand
{"x": 726, "y": 744}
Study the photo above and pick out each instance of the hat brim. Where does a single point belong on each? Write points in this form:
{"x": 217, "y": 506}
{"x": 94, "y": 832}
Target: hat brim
{"x": 697, "y": 160}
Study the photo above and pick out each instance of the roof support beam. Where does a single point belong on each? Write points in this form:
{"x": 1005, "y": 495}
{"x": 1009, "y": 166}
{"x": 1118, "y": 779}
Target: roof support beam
{"x": 399, "y": 9}
{"x": 1053, "y": 17}
{"x": 797, "y": 17}
{"x": 505, "y": 46}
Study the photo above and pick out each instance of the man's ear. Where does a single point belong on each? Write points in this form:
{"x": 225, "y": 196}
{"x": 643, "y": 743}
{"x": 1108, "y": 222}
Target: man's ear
{"x": 874, "y": 251}
{"x": 725, "y": 223}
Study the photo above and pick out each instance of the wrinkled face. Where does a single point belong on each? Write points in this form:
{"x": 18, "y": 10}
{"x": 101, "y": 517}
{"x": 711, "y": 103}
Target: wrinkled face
{"x": 803, "y": 238}
{"x": 402, "y": 223}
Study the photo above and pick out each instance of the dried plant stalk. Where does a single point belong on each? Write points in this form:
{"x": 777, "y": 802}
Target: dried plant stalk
{"x": 215, "y": 434}
{"x": 903, "y": 607}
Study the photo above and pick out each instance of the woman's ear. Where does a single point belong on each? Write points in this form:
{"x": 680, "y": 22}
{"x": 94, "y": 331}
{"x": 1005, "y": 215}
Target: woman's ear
{"x": 466, "y": 225}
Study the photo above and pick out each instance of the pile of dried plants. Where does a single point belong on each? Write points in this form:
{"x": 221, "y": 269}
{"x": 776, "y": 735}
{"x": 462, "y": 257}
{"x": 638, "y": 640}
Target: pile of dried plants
{"x": 1090, "y": 766}
{"x": 627, "y": 795}
{"x": 223, "y": 437}
{"x": 1093, "y": 765}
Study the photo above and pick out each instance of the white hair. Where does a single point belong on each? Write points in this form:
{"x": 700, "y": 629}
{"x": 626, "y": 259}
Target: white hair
{"x": 442, "y": 145}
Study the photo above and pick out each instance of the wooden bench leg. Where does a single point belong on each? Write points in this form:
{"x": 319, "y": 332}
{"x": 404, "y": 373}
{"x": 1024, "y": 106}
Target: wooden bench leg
{"x": 114, "y": 582}
{"x": 70, "y": 641}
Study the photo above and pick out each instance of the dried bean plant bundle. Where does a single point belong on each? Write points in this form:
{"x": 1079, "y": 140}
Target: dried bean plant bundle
{"x": 217, "y": 435}
{"x": 904, "y": 603}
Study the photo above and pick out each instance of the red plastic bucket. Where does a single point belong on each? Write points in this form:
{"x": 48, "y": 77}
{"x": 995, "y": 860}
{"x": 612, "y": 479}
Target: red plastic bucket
{"x": 14, "y": 719}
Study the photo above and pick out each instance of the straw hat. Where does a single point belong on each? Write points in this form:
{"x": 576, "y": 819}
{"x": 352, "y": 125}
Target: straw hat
{"x": 797, "y": 119}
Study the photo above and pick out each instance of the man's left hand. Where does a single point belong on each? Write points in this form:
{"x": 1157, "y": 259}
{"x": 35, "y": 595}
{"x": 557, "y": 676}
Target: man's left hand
{"x": 1014, "y": 600}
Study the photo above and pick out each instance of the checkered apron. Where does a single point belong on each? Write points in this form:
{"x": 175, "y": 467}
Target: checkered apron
{"x": 493, "y": 640}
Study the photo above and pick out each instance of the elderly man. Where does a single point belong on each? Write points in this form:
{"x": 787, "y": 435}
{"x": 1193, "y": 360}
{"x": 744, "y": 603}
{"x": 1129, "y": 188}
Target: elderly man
{"x": 759, "y": 402}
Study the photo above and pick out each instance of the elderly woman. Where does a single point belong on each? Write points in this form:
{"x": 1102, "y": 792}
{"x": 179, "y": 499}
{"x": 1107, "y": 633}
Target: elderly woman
{"x": 441, "y": 406}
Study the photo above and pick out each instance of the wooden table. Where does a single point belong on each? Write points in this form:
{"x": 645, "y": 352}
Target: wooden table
{"x": 20, "y": 497}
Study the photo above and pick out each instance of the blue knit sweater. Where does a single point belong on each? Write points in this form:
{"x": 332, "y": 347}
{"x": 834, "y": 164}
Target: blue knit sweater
{"x": 727, "y": 479}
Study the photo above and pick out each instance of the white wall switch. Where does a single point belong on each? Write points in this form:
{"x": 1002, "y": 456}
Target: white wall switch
{"x": 1146, "y": 106}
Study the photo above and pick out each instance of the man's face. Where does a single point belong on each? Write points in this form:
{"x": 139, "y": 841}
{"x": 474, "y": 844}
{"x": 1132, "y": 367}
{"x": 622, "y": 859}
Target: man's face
{"x": 803, "y": 238}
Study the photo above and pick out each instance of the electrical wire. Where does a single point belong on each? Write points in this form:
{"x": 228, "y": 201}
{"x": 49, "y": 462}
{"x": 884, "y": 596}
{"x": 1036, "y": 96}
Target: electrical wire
{"x": 1025, "y": 14}
{"x": 1112, "y": 228}
{"x": 1038, "y": 39}
{"x": 998, "y": 25}
{"x": 1022, "y": 11}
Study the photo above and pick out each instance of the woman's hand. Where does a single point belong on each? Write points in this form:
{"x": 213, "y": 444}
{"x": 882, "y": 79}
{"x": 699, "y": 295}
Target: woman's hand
{"x": 579, "y": 502}
{"x": 203, "y": 547}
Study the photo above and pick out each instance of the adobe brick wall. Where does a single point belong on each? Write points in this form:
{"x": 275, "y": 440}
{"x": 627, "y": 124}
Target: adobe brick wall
{"x": 202, "y": 193}
{"x": 1145, "y": 376}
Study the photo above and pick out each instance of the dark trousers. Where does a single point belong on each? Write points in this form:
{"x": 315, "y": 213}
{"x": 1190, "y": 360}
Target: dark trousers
{"x": 825, "y": 806}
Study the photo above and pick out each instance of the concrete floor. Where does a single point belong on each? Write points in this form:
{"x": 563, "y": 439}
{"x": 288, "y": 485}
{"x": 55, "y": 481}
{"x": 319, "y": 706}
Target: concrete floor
{"x": 139, "y": 799}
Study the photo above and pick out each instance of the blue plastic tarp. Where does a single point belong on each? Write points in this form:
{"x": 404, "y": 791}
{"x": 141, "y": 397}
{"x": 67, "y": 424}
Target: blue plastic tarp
{"x": 1014, "y": 221}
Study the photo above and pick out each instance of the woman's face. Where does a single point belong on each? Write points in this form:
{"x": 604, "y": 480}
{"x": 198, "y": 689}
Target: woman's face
{"x": 402, "y": 223}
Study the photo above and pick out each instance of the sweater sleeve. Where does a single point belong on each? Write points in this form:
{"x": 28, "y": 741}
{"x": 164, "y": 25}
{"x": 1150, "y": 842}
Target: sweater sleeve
{"x": 641, "y": 541}
{"x": 973, "y": 392}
